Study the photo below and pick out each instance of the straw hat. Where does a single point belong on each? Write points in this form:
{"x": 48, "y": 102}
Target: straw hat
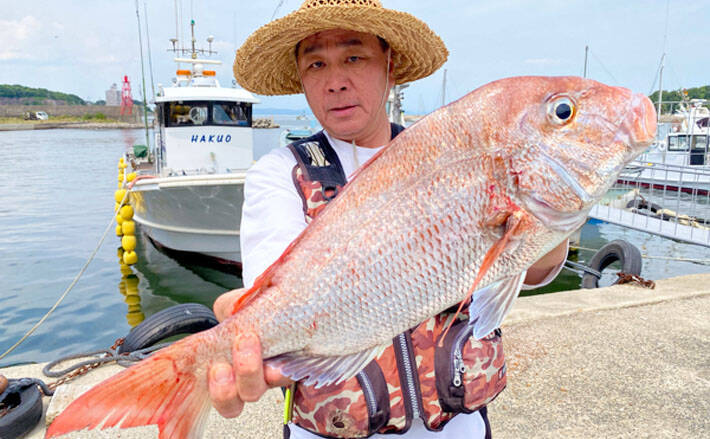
{"x": 266, "y": 62}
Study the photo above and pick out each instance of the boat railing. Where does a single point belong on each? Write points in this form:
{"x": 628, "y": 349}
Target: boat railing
{"x": 671, "y": 173}
{"x": 661, "y": 198}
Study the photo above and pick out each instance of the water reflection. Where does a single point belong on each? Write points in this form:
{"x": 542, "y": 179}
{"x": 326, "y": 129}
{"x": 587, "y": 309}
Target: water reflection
{"x": 158, "y": 281}
{"x": 128, "y": 287}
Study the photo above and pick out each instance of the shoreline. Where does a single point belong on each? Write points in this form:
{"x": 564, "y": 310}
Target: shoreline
{"x": 69, "y": 125}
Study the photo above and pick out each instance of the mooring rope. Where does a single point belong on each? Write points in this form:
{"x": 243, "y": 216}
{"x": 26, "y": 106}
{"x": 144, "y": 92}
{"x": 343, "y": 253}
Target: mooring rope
{"x": 663, "y": 258}
{"x": 69, "y": 288}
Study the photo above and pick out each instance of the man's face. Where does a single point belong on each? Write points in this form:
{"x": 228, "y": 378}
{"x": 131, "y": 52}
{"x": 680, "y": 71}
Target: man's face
{"x": 344, "y": 78}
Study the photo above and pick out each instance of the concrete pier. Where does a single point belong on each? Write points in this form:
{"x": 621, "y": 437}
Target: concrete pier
{"x": 617, "y": 362}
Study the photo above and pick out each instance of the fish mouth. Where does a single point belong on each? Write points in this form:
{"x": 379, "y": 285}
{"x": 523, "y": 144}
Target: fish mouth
{"x": 642, "y": 121}
{"x": 638, "y": 126}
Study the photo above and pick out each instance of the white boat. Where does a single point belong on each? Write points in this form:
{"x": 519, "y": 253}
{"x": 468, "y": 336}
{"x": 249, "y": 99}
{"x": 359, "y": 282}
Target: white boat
{"x": 680, "y": 161}
{"x": 290, "y": 135}
{"x": 188, "y": 198}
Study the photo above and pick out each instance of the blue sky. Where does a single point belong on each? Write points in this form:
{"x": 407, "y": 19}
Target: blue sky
{"x": 82, "y": 47}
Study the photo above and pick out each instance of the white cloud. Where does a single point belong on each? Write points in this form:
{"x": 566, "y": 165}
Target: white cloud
{"x": 17, "y": 37}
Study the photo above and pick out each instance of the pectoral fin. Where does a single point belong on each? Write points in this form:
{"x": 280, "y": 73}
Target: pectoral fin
{"x": 320, "y": 370}
{"x": 492, "y": 303}
{"x": 514, "y": 221}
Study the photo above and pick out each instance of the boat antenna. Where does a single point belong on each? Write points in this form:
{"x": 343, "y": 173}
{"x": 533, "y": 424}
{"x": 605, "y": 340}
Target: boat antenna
{"x": 177, "y": 27}
{"x": 150, "y": 58}
{"x": 586, "y": 57}
{"x": 145, "y": 105}
{"x": 660, "y": 69}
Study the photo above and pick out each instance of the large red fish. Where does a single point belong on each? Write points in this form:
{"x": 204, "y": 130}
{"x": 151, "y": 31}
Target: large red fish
{"x": 462, "y": 202}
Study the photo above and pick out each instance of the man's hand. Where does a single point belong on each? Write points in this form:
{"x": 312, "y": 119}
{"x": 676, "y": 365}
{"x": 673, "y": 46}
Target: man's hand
{"x": 246, "y": 379}
{"x": 3, "y": 383}
{"x": 540, "y": 269}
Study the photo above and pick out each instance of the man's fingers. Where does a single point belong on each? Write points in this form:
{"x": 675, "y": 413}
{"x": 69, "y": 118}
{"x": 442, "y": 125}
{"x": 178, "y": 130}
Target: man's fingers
{"x": 3, "y": 383}
{"x": 274, "y": 378}
{"x": 249, "y": 367}
{"x": 225, "y": 303}
{"x": 223, "y": 390}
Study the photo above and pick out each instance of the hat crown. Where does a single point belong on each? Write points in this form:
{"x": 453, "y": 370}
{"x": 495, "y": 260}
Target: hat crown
{"x": 309, "y": 4}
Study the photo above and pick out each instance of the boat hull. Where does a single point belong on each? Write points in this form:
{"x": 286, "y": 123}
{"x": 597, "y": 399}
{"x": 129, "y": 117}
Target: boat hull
{"x": 192, "y": 214}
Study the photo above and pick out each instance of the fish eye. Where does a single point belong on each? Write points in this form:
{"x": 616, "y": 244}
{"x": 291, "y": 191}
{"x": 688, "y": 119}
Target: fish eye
{"x": 561, "y": 110}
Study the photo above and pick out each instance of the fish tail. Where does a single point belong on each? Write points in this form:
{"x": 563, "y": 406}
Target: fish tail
{"x": 163, "y": 390}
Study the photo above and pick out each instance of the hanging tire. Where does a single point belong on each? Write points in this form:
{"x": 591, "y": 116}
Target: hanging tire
{"x": 187, "y": 318}
{"x": 643, "y": 205}
{"x": 618, "y": 250}
{"x": 25, "y": 414}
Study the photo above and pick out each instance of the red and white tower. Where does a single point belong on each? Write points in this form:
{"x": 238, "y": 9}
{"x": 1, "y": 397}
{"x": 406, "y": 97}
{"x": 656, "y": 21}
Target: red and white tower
{"x": 126, "y": 98}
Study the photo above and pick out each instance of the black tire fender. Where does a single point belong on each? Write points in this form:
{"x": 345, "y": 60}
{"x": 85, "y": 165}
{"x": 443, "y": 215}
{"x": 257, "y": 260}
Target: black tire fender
{"x": 186, "y": 318}
{"x": 643, "y": 205}
{"x": 618, "y": 250}
{"x": 25, "y": 414}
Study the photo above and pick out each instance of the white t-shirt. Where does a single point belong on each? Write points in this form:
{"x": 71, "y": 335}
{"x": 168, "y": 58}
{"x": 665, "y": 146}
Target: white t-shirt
{"x": 272, "y": 217}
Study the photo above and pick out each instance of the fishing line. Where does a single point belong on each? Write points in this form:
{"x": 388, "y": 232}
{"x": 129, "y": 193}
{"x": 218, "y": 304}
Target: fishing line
{"x": 69, "y": 288}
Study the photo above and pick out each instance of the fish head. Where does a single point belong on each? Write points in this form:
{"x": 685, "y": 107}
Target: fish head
{"x": 569, "y": 139}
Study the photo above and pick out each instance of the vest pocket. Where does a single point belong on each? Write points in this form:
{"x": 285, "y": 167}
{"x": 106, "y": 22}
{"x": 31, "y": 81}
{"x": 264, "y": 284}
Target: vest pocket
{"x": 355, "y": 408}
{"x": 374, "y": 389}
{"x": 470, "y": 373}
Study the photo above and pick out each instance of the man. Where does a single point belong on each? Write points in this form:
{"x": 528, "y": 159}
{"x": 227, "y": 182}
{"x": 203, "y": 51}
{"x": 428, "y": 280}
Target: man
{"x": 345, "y": 55}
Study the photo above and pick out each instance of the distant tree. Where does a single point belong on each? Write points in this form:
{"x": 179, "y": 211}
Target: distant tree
{"x": 38, "y": 96}
{"x": 100, "y": 102}
{"x": 677, "y": 96}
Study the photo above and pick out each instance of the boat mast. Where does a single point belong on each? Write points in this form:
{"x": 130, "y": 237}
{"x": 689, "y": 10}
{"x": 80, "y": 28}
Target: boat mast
{"x": 145, "y": 98}
{"x": 586, "y": 56}
{"x": 660, "y": 89}
{"x": 443, "y": 90}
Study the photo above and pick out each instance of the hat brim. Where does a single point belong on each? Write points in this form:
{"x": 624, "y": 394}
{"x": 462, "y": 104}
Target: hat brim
{"x": 266, "y": 62}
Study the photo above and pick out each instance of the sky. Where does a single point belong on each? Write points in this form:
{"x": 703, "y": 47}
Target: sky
{"x": 83, "y": 46}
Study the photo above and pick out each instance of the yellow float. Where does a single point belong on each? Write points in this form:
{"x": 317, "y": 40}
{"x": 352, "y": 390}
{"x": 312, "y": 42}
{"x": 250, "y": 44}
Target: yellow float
{"x": 127, "y": 212}
{"x": 130, "y": 257}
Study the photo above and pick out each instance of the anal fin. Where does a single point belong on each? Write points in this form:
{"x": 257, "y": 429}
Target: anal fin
{"x": 323, "y": 370}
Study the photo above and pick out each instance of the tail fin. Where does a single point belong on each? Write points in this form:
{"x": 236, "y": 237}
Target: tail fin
{"x": 161, "y": 390}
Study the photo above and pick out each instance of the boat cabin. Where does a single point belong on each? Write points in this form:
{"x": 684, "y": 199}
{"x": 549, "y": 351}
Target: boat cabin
{"x": 202, "y": 128}
{"x": 695, "y": 146}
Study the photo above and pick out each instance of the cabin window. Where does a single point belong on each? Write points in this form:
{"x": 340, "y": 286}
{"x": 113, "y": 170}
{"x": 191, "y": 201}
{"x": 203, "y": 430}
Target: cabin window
{"x": 230, "y": 113}
{"x": 700, "y": 142}
{"x": 677, "y": 143}
{"x": 200, "y": 113}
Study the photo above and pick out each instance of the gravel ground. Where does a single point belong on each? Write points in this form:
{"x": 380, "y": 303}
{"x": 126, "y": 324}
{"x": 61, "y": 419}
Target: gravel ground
{"x": 617, "y": 362}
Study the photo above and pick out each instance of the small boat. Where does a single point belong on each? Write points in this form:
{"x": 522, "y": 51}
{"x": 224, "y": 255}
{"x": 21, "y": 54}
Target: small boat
{"x": 189, "y": 192}
{"x": 681, "y": 160}
{"x": 291, "y": 135}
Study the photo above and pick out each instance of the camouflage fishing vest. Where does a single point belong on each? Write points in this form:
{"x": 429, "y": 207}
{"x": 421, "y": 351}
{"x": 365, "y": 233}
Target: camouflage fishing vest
{"x": 413, "y": 378}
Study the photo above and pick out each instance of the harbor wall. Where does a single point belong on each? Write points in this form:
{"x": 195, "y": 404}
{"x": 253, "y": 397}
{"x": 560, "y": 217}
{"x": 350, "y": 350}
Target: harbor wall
{"x": 111, "y": 112}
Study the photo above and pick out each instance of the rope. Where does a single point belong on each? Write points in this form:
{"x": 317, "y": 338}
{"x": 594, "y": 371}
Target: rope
{"x": 663, "y": 258}
{"x": 99, "y": 357}
{"x": 69, "y": 288}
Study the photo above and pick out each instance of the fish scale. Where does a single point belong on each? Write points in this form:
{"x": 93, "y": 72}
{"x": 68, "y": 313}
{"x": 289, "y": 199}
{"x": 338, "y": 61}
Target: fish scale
{"x": 463, "y": 202}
